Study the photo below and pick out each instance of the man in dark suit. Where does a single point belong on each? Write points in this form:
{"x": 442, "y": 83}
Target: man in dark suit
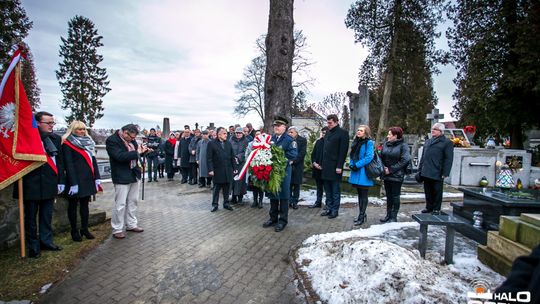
{"x": 336, "y": 144}
{"x": 279, "y": 202}
{"x": 297, "y": 166}
{"x": 221, "y": 166}
{"x": 125, "y": 173}
{"x": 316, "y": 168}
{"x": 40, "y": 187}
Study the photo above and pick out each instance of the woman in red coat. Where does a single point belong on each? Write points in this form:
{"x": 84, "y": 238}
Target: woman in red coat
{"x": 82, "y": 176}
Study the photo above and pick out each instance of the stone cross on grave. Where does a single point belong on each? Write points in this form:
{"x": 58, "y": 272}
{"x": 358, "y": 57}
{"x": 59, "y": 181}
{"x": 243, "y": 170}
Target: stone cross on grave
{"x": 434, "y": 116}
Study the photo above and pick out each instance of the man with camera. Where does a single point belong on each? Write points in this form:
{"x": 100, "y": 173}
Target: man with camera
{"x": 124, "y": 153}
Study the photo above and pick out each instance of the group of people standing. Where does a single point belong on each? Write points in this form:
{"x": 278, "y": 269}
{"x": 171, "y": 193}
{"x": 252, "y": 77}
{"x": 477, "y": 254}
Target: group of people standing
{"x": 215, "y": 157}
{"x": 71, "y": 169}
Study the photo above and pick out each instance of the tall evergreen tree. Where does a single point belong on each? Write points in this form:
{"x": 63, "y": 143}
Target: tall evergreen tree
{"x": 495, "y": 49}
{"x": 28, "y": 76}
{"x": 14, "y": 27}
{"x": 278, "y": 91}
{"x": 387, "y": 28}
{"x": 82, "y": 81}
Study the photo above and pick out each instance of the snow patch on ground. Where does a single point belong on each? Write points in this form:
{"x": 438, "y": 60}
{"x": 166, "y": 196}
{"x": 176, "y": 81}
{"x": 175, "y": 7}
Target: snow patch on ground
{"x": 380, "y": 264}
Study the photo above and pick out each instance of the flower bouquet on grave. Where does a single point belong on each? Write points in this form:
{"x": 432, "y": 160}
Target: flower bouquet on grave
{"x": 265, "y": 164}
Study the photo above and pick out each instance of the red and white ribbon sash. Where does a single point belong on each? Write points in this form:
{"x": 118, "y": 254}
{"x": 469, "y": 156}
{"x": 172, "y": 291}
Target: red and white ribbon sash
{"x": 261, "y": 142}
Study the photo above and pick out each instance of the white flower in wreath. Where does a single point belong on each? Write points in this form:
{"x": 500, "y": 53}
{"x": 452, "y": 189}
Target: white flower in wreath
{"x": 7, "y": 119}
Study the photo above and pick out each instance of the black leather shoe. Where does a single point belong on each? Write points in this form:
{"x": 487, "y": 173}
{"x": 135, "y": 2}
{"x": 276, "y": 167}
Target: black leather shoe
{"x": 436, "y": 212}
{"x": 149, "y": 181}
{"x": 75, "y": 236}
{"x": 385, "y": 219}
{"x": 426, "y": 211}
{"x": 201, "y": 186}
{"x": 155, "y": 180}
{"x": 183, "y": 182}
{"x": 87, "y": 234}
{"x": 334, "y": 215}
{"x": 325, "y": 213}
{"x": 214, "y": 209}
{"x": 228, "y": 207}
{"x": 360, "y": 220}
{"x": 269, "y": 223}
{"x": 34, "y": 255}
{"x": 279, "y": 227}
{"x": 316, "y": 205}
{"x": 51, "y": 247}
{"x": 295, "y": 206}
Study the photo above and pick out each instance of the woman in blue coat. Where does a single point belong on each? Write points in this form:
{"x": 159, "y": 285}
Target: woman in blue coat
{"x": 362, "y": 150}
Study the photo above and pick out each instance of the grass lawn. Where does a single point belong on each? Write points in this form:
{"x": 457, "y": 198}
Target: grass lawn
{"x": 22, "y": 279}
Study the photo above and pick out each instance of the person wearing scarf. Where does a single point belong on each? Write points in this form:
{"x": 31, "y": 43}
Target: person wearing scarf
{"x": 170, "y": 152}
{"x": 362, "y": 150}
{"x": 82, "y": 175}
{"x": 124, "y": 156}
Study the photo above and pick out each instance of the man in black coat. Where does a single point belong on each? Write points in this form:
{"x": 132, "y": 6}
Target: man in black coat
{"x": 316, "y": 168}
{"x": 435, "y": 166}
{"x": 153, "y": 144}
{"x": 336, "y": 144}
{"x": 125, "y": 172}
{"x": 221, "y": 166}
{"x": 297, "y": 166}
{"x": 184, "y": 154}
{"x": 40, "y": 187}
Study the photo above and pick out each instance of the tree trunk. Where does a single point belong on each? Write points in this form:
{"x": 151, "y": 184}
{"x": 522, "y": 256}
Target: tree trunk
{"x": 278, "y": 91}
{"x": 389, "y": 77}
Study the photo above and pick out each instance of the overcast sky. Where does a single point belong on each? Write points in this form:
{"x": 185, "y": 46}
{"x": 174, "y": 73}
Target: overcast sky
{"x": 181, "y": 58}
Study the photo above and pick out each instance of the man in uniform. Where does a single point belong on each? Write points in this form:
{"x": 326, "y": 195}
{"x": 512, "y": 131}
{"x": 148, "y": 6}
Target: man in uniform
{"x": 279, "y": 202}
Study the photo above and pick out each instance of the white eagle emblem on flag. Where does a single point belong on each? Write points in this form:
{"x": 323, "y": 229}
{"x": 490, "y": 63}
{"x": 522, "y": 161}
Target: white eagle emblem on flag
{"x": 7, "y": 119}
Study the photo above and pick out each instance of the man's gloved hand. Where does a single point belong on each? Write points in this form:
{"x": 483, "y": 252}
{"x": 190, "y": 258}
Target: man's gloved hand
{"x": 61, "y": 188}
{"x": 73, "y": 190}
{"x": 98, "y": 185}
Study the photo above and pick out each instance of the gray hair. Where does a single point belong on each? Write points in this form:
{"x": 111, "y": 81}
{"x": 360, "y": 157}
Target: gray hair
{"x": 293, "y": 128}
{"x": 439, "y": 126}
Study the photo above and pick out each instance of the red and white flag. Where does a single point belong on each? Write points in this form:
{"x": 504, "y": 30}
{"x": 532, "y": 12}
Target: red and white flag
{"x": 21, "y": 149}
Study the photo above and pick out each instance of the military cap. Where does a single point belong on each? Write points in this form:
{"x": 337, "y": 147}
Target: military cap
{"x": 280, "y": 120}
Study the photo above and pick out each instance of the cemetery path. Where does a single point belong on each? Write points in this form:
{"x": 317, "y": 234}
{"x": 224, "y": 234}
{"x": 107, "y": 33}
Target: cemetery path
{"x": 188, "y": 255}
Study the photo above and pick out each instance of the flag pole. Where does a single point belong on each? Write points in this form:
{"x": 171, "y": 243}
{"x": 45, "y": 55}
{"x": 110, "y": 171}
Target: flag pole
{"x": 21, "y": 219}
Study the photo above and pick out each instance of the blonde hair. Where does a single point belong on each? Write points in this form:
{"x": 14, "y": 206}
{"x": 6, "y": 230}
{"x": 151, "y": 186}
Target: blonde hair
{"x": 76, "y": 124}
{"x": 367, "y": 130}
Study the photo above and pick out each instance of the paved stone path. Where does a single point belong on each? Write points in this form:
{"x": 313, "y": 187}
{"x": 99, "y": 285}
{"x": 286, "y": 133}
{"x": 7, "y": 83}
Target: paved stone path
{"x": 188, "y": 255}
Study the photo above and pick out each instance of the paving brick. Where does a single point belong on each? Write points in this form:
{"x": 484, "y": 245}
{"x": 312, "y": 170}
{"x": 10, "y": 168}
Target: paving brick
{"x": 188, "y": 255}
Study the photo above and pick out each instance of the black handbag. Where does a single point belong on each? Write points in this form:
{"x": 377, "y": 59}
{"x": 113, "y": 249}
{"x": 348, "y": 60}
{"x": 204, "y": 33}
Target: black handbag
{"x": 375, "y": 167}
